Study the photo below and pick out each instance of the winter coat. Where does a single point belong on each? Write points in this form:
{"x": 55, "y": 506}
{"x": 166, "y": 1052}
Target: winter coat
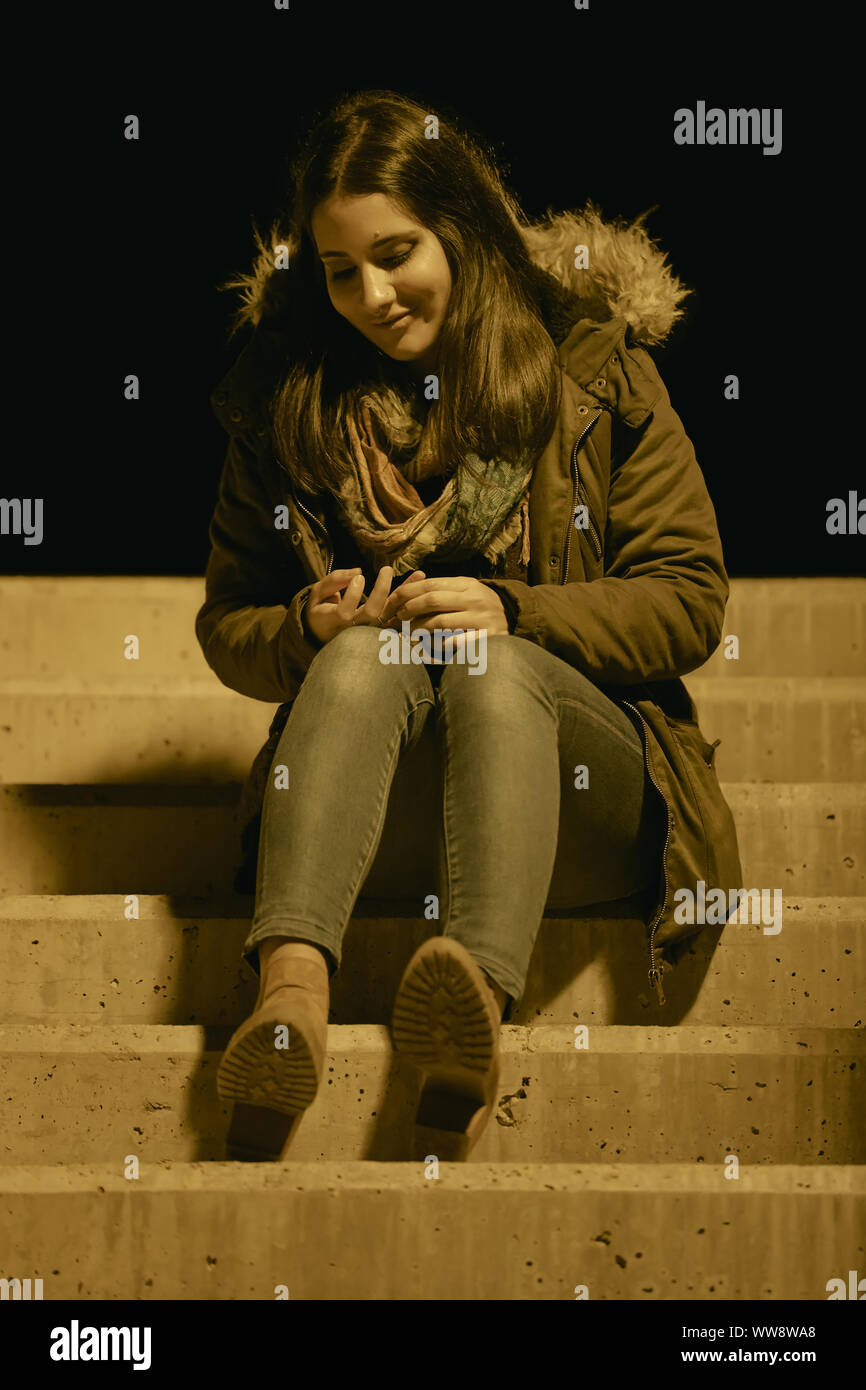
{"x": 634, "y": 600}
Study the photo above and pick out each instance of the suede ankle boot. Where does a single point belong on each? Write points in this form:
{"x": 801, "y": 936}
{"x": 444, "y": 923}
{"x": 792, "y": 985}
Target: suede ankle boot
{"x": 273, "y": 1064}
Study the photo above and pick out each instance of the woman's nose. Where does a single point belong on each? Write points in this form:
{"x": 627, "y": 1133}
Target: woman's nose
{"x": 377, "y": 292}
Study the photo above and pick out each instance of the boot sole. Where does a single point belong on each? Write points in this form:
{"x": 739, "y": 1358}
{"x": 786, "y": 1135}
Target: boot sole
{"x": 442, "y": 1026}
{"x": 271, "y": 1088}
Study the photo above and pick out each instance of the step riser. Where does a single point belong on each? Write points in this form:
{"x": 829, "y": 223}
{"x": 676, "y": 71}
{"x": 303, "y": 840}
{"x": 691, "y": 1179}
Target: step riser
{"x": 510, "y": 1245}
{"x": 563, "y": 1106}
{"x": 800, "y": 630}
{"x": 819, "y": 739}
{"x": 213, "y": 735}
{"x": 803, "y": 839}
{"x": 51, "y": 627}
{"x": 161, "y": 971}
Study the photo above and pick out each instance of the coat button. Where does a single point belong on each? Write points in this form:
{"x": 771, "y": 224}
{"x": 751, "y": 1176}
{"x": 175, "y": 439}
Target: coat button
{"x": 221, "y": 398}
{"x": 296, "y": 538}
{"x": 583, "y": 410}
{"x": 614, "y": 359}
{"x": 601, "y": 381}
{"x": 236, "y": 415}
{"x": 553, "y": 561}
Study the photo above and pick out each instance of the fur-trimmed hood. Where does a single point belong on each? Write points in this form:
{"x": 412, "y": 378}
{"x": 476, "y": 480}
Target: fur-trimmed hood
{"x": 627, "y": 276}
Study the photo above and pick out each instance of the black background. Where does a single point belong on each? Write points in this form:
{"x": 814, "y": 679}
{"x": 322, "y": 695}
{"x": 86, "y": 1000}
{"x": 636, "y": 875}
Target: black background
{"x": 578, "y": 104}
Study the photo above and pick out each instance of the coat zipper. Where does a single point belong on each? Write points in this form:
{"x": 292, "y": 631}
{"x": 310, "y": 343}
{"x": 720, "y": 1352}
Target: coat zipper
{"x": 323, "y": 531}
{"x": 596, "y": 542}
{"x": 655, "y": 975}
{"x": 314, "y": 519}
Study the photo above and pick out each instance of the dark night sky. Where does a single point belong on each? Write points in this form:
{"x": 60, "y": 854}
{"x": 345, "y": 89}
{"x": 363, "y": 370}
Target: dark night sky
{"x": 579, "y": 105}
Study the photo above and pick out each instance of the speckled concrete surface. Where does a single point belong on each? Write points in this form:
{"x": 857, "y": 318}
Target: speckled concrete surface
{"x": 478, "y": 1231}
{"x": 77, "y": 959}
{"x": 659, "y": 1095}
{"x": 789, "y": 729}
{"x": 805, "y": 838}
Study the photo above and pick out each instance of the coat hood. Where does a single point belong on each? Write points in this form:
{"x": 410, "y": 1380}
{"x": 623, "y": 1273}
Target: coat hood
{"x": 627, "y": 276}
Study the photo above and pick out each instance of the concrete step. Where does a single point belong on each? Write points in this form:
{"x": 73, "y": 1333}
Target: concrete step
{"x": 336, "y": 1230}
{"x": 135, "y": 729}
{"x": 54, "y": 628}
{"x": 82, "y": 1094}
{"x": 804, "y": 838}
{"x": 78, "y": 959}
{"x": 787, "y": 729}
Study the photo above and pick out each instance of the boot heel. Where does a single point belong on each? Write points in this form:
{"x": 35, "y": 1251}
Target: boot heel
{"x": 447, "y": 1124}
{"x": 257, "y": 1135}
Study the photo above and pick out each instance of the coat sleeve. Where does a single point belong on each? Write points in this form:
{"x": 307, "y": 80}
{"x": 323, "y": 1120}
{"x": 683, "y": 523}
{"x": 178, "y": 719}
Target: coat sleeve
{"x": 658, "y": 610}
{"x": 250, "y": 627}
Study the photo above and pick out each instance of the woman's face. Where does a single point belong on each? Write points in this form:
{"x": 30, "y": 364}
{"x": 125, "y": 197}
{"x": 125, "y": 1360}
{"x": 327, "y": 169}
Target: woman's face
{"x": 381, "y": 265}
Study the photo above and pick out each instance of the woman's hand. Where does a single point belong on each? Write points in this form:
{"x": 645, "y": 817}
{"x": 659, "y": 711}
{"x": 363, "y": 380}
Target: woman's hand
{"x": 459, "y": 603}
{"x": 327, "y": 613}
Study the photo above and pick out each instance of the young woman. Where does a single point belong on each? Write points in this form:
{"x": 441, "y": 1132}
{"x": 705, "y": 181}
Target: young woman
{"x": 447, "y": 419}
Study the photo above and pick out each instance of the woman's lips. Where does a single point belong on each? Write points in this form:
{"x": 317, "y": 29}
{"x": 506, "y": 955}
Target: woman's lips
{"x": 397, "y": 323}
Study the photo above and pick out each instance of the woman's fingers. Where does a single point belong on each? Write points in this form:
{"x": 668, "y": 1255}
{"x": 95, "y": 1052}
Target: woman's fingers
{"x": 332, "y": 584}
{"x": 380, "y": 604}
{"x": 395, "y": 599}
{"x": 351, "y": 598}
{"x": 374, "y": 604}
{"x": 455, "y": 621}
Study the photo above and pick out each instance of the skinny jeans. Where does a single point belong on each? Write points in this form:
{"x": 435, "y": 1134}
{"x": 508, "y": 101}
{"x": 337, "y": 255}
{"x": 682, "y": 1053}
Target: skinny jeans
{"x": 502, "y": 793}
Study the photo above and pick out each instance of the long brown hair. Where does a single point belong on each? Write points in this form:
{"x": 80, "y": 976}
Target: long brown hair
{"x": 499, "y": 379}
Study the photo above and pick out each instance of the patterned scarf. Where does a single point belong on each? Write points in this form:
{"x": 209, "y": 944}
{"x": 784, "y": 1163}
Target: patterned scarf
{"x": 473, "y": 516}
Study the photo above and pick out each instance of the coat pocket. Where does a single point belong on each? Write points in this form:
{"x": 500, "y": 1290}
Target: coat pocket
{"x": 719, "y": 831}
{"x": 688, "y": 733}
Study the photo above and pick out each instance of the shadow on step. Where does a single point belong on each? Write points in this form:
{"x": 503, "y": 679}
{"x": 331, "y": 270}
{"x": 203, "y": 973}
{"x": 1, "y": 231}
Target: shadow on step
{"x": 589, "y": 967}
{"x": 166, "y": 838}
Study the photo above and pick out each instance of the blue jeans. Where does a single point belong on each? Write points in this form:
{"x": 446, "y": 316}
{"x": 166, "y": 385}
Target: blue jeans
{"x": 421, "y": 780}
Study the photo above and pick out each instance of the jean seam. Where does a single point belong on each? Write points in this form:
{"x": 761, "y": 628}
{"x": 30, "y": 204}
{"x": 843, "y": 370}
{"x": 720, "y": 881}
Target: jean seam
{"x": 514, "y": 992}
{"x": 446, "y": 748}
{"x": 555, "y": 702}
{"x": 334, "y": 940}
{"x": 395, "y": 755}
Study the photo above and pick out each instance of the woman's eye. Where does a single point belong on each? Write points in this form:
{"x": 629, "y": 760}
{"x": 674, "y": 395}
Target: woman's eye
{"x": 392, "y": 261}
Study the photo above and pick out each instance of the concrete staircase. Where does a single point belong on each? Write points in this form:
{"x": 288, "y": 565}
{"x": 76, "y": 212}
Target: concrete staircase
{"x": 712, "y": 1149}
